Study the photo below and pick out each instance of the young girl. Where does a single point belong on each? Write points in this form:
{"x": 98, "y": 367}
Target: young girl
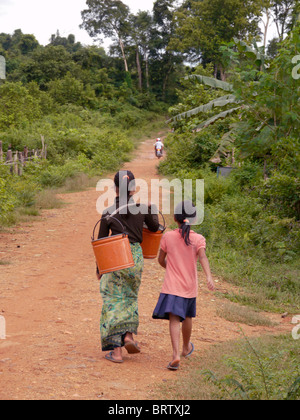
{"x": 180, "y": 250}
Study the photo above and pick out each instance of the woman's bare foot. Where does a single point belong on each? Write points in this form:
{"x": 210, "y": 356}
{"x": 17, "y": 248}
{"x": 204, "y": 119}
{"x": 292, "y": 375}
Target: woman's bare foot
{"x": 128, "y": 337}
{"x": 130, "y": 345}
{"x": 117, "y": 353}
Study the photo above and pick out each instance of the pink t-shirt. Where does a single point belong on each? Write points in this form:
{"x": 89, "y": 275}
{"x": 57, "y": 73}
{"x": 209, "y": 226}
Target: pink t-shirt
{"x": 181, "y": 277}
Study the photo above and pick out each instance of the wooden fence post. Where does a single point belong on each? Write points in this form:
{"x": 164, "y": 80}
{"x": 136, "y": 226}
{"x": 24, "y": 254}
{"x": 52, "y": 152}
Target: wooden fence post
{"x": 21, "y": 163}
{"x": 9, "y": 159}
{"x": 25, "y": 154}
{"x": 43, "y": 147}
{"x": 16, "y": 163}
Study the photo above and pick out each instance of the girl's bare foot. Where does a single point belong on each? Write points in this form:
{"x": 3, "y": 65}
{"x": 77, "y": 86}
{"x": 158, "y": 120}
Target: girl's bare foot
{"x": 186, "y": 352}
{"x": 174, "y": 365}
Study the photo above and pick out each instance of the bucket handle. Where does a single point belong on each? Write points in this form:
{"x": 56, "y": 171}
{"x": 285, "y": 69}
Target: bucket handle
{"x": 164, "y": 227}
{"x": 108, "y": 217}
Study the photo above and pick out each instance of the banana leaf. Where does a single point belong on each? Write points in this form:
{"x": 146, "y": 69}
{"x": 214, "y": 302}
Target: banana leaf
{"x": 219, "y": 102}
{"x": 212, "y": 82}
{"x": 224, "y": 146}
{"x": 222, "y": 115}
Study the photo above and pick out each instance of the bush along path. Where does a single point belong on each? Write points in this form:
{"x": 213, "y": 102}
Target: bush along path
{"x": 49, "y": 297}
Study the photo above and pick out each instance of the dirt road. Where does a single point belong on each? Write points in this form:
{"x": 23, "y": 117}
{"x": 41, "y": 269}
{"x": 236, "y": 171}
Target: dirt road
{"x": 49, "y": 296}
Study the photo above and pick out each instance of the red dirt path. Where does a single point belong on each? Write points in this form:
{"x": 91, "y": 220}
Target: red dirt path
{"x": 49, "y": 296}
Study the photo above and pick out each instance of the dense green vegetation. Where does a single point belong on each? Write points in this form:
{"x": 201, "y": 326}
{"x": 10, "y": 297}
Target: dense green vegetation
{"x": 88, "y": 109}
{"x": 251, "y": 216}
{"x": 229, "y": 103}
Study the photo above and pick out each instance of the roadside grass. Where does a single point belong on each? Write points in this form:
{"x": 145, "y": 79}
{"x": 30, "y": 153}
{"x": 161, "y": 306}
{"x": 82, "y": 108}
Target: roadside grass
{"x": 266, "y": 368}
{"x": 266, "y": 286}
{"x": 47, "y": 200}
{"x": 241, "y": 314}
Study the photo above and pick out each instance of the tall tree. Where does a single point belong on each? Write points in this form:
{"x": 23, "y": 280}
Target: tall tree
{"x": 282, "y": 11}
{"x": 108, "y": 18}
{"x": 142, "y": 24}
{"x": 203, "y": 26}
{"x": 164, "y": 58}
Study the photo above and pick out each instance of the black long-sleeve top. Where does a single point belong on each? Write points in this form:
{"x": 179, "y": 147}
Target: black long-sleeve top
{"x": 133, "y": 223}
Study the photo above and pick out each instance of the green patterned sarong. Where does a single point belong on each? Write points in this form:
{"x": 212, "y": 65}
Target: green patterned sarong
{"x": 119, "y": 291}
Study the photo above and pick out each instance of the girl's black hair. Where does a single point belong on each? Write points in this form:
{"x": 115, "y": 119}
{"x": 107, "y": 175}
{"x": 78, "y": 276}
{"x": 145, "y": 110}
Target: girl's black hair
{"x": 184, "y": 213}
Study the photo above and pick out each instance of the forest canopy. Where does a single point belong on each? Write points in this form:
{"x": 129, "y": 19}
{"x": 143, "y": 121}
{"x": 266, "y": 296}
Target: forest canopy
{"x": 208, "y": 67}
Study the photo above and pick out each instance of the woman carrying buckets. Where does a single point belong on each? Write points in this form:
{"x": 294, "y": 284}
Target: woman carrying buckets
{"x": 119, "y": 289}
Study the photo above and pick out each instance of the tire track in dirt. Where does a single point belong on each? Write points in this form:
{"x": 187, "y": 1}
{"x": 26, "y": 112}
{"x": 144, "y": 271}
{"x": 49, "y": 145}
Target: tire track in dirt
{"x": 49, "y": 296}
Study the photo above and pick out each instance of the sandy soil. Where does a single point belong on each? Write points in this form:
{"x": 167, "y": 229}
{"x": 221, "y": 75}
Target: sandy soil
{"x": 49, "y": 296}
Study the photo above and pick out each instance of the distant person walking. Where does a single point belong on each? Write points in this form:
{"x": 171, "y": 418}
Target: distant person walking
{"x": 180, "y": 250}
{"x": 119, "y": 290}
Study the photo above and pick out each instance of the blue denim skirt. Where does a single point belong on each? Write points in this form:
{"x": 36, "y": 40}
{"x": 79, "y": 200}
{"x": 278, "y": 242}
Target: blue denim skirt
{"x": 176, "y": 305}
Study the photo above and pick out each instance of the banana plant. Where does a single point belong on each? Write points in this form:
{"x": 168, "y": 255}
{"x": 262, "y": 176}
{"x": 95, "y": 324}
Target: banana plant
{"x": 225, "y": 144}
{"x": 229, "y": 101}
{"x": 224, "y": 101}
{"x": 220, "y": 102}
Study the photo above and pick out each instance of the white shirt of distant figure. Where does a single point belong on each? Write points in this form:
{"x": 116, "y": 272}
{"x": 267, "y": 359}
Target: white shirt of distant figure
{"x": 159, "y": 145}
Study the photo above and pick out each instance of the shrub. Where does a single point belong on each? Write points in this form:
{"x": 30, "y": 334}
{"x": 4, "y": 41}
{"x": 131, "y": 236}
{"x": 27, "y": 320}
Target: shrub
{"x": 282, "y": 192}
{"x": 70, "y": 90}
{"x": 17, "y": 106}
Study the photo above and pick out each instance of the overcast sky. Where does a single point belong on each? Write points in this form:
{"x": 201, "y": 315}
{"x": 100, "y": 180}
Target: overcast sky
{"x": 42, "y": 18}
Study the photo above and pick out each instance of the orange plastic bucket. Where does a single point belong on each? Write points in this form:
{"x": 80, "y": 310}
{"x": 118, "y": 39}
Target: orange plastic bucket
{"x": 112, "y": 253}
{"x": 151, "y": 241}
